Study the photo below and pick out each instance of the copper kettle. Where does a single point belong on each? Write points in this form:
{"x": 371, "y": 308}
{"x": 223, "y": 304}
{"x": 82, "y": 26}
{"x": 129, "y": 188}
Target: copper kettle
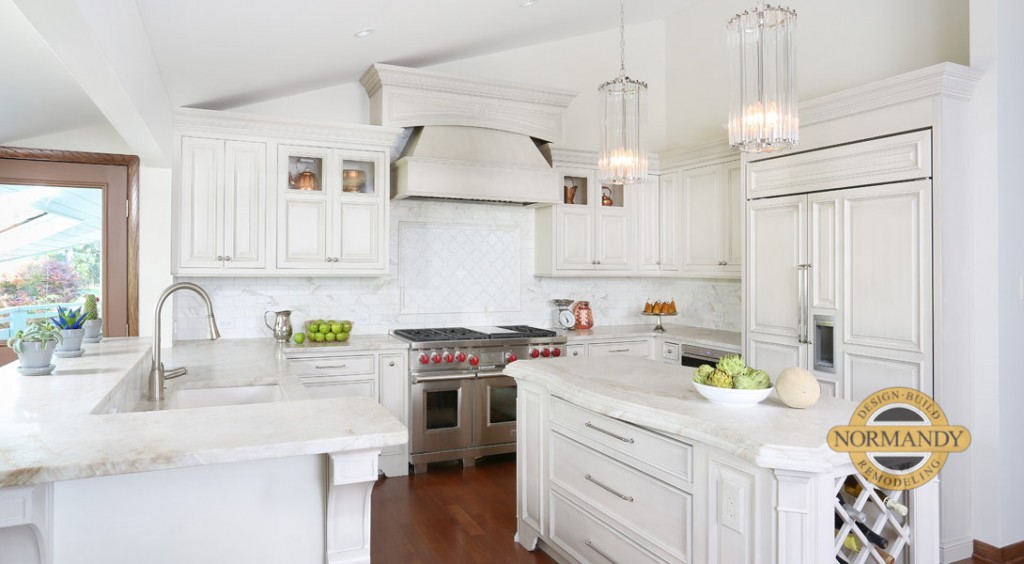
{"x": 606, "y": 196}
{"x": 306, "y": 180}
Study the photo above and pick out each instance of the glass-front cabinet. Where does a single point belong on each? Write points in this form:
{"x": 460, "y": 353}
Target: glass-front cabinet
{"x": 332, "y": 209}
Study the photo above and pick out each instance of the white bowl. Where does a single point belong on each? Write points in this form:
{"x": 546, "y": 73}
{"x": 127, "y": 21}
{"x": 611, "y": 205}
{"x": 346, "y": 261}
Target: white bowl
{"x": 730, "y": 396}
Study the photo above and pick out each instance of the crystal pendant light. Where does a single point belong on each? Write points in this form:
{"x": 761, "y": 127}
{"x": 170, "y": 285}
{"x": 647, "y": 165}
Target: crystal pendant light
{"x": 762, "y": 98}
{"x": 623, "y": 156}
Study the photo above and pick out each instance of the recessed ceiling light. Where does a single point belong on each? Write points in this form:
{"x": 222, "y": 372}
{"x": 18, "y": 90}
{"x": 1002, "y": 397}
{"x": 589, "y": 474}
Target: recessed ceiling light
{"x": 363, "y": 33}
{"x": 528, "y": 3}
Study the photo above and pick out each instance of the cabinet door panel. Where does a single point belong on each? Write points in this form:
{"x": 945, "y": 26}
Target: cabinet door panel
{"x": 887, "y": 264}
{"x": 394, "y": 383}
{"x": 774, "y": 355}
{"x": 775, "y": 235}
{"x": 303, "y": 235}
{"x": 342, "y": 389}
{"x": 824, "y": 251}
{"x": 732, "y": 218}
{"x": 359, "y": 234}
{"x": 201, "y": 236}
{"x": 648, "y": 226}
{"x": 670, "y": 226}
{"x": 244, "y": 204}
{"x": 731, "y": 514}
{"x": 613, "y": 242}
{"x": 866, "y": 373}
{"x": 574, "y": 238}
{"x": 702, "y": 212}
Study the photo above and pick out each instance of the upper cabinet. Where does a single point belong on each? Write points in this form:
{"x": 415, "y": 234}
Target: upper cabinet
{"x": 659, "y": 229}
{"x": 223, "y": 199}
{"x": 711, "y": 211}
{"x": 320, "y": 207}
{"x": 591, "y": 231}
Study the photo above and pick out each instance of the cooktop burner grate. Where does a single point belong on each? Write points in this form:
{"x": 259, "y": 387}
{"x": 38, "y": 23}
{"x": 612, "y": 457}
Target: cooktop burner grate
{"x": 463, "y": 334}
{"x": 526, "y": 331}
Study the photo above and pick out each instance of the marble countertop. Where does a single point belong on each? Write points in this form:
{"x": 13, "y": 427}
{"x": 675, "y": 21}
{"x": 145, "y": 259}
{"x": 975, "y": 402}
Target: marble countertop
{"x": 725, "y": 340}
{"x": 661, "y": 397}
{"x": 86, "y": 418}
{"x": 355, "y": 343}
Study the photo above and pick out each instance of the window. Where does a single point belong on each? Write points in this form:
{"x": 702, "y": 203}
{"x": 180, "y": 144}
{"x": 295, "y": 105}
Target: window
{"x": 67, "y": 228}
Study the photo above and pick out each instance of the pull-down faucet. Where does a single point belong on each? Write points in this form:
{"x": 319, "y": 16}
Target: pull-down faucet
{"x": 157, "y": 374}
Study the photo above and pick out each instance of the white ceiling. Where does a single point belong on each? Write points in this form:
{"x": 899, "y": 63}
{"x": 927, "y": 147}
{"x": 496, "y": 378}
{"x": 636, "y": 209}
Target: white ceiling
{"x": 221, "y": 54}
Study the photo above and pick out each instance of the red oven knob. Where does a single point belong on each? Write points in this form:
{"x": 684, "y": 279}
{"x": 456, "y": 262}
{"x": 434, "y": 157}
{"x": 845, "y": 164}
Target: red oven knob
{"x": 545, "y": 353}
{"x": 424, "y": 359}
{"x": 435, "y": 358}
{"x": 474, "y": 360}
{"x": 510, "y": 357}
{"x": 556, "y": 352}
{"x": 460, "y": 356}
{"x": 534, "y": 353}
{"x": 448, "y": 357}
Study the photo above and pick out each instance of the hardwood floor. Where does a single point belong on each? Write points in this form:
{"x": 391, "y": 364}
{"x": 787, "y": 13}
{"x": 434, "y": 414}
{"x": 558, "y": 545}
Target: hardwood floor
{"x": 450, "y": 514}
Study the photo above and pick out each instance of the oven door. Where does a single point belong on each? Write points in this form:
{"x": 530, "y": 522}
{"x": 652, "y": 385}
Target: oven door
{"x": 495, "y": 409}
{"x": 442, "y": 413}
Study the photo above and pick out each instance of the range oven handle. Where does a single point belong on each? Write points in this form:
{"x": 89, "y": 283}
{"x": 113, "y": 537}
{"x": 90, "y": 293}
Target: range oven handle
{"x": 490, "y": 374}
{"x": 444, "y": 376}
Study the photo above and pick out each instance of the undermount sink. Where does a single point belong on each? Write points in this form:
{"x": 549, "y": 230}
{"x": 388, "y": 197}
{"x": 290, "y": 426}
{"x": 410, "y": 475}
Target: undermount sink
{"x": 184, "y": 398}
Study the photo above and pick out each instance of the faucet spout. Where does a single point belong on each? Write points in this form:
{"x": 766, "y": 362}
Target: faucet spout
{"x": 157, "y": 373}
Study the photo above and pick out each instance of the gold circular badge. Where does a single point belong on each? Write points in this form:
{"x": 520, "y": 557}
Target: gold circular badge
{"x": 899, "y": 438}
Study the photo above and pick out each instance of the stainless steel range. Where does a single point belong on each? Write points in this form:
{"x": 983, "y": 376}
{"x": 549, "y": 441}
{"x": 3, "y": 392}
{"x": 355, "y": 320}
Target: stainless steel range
{"x": 461, "y": 405}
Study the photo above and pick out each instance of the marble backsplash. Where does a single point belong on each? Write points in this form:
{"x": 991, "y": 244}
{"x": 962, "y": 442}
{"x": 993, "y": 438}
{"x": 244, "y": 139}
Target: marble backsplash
{"x": 451, "y": 264}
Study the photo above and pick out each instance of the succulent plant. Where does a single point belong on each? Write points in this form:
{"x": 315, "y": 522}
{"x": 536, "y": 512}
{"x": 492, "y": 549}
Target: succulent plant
{"x": 90, "y": 309}
{"x": 42, "y": 332}
{"x": 68, "y": 318}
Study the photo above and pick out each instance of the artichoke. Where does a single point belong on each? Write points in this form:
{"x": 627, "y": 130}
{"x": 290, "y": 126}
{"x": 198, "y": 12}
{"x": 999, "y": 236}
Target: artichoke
{"x": 752, "y": 379}
{"x": 720, "y": 379}
{"x": 702, "y": 373}
{"x": 732, "y": 364}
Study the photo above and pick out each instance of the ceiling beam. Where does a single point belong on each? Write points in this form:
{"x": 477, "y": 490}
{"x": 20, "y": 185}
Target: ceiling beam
{"x": 104, "y": 46}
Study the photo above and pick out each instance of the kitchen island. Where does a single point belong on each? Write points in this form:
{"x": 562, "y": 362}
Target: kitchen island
{"x": 619, "y": 459}
{"x": 90, "y": 471}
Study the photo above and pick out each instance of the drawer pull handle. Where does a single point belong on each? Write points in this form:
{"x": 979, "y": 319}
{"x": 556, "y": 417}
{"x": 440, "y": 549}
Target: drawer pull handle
{"x": 599, "y": 552}
{"x": 325, "y": 366}
{"x": 618, "y": 350}
{"x": 609, "y": 433}
{"x": 606, "y": 488}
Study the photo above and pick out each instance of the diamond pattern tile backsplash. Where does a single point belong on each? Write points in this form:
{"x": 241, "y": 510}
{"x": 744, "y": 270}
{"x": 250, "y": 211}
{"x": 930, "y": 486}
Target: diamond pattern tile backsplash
{"x": 451, "y": 264}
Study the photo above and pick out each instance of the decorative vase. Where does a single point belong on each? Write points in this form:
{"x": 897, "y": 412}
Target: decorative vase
{"x": 570, "y": 194}
{"x": 353, "y": 180}
{"x": 72, "y": 340}
{"x": 92, "y": 329}
{"x": 584, "y": 316}
{"x": 35, "y": 354}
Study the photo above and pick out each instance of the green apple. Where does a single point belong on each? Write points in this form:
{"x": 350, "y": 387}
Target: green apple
{"x": 336, "y": 327}
{"x": 342, "y": 336}
{"x": 325, "y": 327}
{"x": 330, "y": 337}
{"x": 346, "y": 326}
{"x": 299, "y": 338}
{"x": 319, "y": 337}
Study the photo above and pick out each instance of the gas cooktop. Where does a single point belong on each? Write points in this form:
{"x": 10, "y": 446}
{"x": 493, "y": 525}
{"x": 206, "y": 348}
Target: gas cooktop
{"x": 472, "y": 333}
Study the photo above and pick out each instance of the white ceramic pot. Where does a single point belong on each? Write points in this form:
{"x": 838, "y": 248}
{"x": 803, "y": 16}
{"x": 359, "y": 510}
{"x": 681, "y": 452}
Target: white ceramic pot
{"x": 34, "y": 355}
{"x": 72, "y": 340}
{"x": 92, "y": 328}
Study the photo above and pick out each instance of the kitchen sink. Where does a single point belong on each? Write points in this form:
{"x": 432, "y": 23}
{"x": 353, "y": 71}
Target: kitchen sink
{"x": 184, "y": 398}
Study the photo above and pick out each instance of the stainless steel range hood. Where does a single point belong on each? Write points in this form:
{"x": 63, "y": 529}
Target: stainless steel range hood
{"x": 474, "y": 163}
{"x": 470, "y": 138}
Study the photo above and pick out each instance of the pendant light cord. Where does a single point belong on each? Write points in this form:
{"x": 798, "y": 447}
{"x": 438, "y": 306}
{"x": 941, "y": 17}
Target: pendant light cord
{"x": 622, "y": 37}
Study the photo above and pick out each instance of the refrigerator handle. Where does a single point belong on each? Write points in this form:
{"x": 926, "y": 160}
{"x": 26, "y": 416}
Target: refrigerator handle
{"x": 801, "y": 315}
{"x": 804, "y": 301}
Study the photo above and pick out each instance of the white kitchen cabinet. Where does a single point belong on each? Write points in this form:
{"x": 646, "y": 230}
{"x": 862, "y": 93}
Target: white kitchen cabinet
{"x": 380, "y": 375}
{"x": 711, "y": 209}
{"x": 659, "y": 229}
{"x": 333, "y": 209}
{"x": 634, "y": 347}
{"x": 589, "y": 235}
{"x": 220, "y": 205}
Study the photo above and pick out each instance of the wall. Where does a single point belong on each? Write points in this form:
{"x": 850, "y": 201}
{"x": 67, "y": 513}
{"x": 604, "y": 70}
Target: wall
{"x": 839, "y": 45}
{"x": 154, "y": 201}
{"x": 440, "y": 281}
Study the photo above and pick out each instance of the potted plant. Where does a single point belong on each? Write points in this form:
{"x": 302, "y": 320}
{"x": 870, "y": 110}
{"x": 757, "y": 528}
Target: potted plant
{"x": 33, "y": 344}
{"x": 93, "y": 323}
{"x": 69, "y": 321}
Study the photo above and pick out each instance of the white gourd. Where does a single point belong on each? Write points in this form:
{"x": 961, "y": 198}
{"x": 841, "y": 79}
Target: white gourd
{"x": 797, "y": 388}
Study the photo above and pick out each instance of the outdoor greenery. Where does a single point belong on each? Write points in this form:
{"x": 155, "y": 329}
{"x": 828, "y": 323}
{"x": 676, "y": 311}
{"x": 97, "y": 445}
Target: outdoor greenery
{"x": 58, "y": 277}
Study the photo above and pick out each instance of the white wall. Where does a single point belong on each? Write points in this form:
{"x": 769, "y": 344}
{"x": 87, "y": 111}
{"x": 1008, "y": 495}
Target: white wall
{"x": 840, "y": 44}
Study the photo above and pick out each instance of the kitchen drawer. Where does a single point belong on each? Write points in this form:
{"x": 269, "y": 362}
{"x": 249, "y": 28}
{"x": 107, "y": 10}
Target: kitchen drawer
{"x": 670, "y": 352}
{"x": 652, "y": 451}
{"x": 333, "y": 366}
{"x": 653, "y": 511}
{"x": 587, "y": 539}
{"x": 626, "y": 348}
{"x": 575, "y": 351}
{"x": 342, "y": 388}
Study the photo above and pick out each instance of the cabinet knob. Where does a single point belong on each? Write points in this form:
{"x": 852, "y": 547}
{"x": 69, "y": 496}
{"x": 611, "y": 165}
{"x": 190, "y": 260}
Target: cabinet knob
{"x": 336, "y": 259}
{"x": 657, "y": 262}
{"x": 575, "y": 353}
{"x": 227, "y": 258}
{"x": 220, "y": 257}
{"x": 597, "y": 262}
{"x": 392, "y": 363}
{"x": 328, "y": 259}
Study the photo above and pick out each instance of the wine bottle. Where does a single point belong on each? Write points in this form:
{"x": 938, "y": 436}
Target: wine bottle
{"x": 875, "y": 538}
{"x": 853, "y": 512}
{"x": 852, "y": 486}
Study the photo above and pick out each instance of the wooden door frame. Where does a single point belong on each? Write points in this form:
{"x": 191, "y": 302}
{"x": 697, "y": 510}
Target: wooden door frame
{"x": 131, "y": 163}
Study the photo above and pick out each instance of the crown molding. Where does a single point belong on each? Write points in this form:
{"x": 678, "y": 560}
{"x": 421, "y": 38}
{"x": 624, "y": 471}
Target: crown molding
{"x": 583, "y": 158}
{"x": 944, "y": 79}
{"x": 263, "y": 126}
{"x": 713, "y": 152}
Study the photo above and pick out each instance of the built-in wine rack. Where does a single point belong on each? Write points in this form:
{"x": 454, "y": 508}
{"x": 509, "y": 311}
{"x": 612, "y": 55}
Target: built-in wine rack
{"x": 872, "y": 525}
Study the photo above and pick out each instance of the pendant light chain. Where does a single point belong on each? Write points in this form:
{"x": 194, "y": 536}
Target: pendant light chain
{"x": 623, "y": 155}
{"x": 622, "y": 37}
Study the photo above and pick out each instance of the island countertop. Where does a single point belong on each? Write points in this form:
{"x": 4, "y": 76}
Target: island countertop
{"x": 725, "y": 340}
{"x": 83, "y": 420}
{"x": 661, "y": 397}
